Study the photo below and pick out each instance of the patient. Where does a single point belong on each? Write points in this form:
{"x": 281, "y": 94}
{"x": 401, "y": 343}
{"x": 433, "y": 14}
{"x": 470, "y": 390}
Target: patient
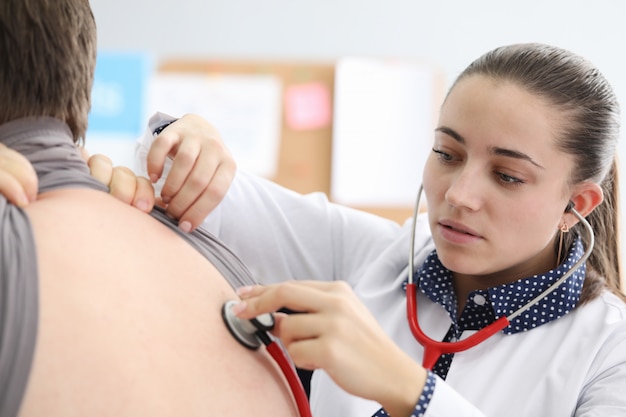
{"x": 105, "y": 311}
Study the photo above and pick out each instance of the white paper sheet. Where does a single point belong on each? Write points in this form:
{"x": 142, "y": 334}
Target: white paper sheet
{"x": 383, "y": 130}
{"x": 246, "y": 109}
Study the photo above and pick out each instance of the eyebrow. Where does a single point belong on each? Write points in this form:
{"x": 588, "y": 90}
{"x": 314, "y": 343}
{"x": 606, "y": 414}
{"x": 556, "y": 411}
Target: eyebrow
{"x": 496, "y": 151}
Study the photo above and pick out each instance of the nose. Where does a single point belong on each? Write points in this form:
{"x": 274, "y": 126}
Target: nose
{"x": 465, "y": 190}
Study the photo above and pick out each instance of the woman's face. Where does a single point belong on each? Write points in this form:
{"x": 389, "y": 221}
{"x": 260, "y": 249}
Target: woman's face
{"x": 495, "y": 182}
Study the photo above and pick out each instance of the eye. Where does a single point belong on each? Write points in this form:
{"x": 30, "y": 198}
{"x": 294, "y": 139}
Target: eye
{"x": 443, "y": 156}
{"x": 509, "y": 180}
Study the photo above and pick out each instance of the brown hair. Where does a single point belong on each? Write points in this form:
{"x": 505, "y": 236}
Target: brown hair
{"x": 48, "y": 50}
{"x": 590, "y": 134}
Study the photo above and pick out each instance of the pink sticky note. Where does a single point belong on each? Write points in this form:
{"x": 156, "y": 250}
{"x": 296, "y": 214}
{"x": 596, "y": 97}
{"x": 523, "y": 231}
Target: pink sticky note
{"x": 307, "y": 106}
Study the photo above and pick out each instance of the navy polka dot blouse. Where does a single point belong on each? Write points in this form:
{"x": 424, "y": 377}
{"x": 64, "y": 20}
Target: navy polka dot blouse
{"x": 483, "y": 307}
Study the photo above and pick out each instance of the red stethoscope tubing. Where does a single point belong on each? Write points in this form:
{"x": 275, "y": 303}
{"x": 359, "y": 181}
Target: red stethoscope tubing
{"x": 433, "y": 349}
{"x": 297, "y": 389}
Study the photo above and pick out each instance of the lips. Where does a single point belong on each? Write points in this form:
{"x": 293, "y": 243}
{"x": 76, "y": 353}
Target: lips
{"x": 459, "y": 228}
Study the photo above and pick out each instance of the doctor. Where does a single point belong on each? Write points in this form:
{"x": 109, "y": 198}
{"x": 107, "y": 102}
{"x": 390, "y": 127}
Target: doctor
{"x": 526, "y": 135}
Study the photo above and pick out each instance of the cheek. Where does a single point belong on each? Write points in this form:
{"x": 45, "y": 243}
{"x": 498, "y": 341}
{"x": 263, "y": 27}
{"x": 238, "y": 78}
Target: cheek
{"x": 528, "y": 227}
{"x": 430, "y": 180}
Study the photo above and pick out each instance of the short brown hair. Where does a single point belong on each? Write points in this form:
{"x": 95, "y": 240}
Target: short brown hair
{"x": 48, "y": 50}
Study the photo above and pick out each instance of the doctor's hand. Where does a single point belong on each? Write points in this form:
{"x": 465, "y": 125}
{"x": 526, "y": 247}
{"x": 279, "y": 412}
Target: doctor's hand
{"x": 201, "y": 172}
{"x": 337, "y": 333}
{"x": 18, "y": 179}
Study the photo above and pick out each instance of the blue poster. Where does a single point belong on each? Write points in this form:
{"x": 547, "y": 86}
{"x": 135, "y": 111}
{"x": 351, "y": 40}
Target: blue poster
{"x": 118, "y": 94}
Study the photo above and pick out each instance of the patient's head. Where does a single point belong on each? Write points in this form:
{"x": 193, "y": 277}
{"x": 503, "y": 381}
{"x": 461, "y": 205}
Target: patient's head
{"x": 48, "y": 54}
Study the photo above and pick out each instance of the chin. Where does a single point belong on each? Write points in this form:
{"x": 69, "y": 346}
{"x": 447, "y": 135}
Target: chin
{"x": 462, "y": 263}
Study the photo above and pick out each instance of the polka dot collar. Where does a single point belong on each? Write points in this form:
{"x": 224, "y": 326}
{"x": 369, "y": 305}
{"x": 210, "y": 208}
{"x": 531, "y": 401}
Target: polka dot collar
{"x": 435, "y": 281}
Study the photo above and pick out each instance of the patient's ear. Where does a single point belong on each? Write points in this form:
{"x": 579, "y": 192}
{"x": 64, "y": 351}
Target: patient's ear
{"x": 586, "y": 197}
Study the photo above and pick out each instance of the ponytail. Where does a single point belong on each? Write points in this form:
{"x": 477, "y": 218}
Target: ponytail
{"x": 604, "y": 263}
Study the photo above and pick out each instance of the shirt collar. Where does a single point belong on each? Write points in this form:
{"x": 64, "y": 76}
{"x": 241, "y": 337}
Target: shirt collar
{"x": 435, "y": 281}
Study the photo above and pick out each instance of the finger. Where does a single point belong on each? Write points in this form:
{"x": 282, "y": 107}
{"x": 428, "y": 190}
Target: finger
{"x": 299, "y": 326}
{"x": 296, "y": 296}
{"x": 23, "y": 185}
{"x": 305, "y": 354}
{"x": 101, "y": 168}
{"x": 84, "y": 153}
{"x": 191, "y": 169}
{"x": 315, "y": 349}
{"x": 194, "y": 212}
{"x": 165, "y": 144}
{"x": 302, "y": 350}
{"x": 123, "y": 184}
{"x": 326, "y": 286}
{"x": 13, "y": 190}
{"x": 144, "y": 195}
{"x": 159, "y": 202}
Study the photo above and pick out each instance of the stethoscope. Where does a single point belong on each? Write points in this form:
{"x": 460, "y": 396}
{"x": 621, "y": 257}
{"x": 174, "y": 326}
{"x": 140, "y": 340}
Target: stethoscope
{"x": 433, "y": 349}
{"x": 254, "y": 332}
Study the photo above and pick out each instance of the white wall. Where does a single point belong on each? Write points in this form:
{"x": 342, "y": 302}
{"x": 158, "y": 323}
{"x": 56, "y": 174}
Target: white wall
{"x": 448, "y": 33}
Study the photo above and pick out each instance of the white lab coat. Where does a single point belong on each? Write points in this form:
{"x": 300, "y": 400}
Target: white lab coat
{"x": 574, "y": 366}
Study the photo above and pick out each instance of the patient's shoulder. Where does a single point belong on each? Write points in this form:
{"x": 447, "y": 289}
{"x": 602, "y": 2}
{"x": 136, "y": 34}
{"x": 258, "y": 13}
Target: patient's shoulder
{"x": 130, "y": 321}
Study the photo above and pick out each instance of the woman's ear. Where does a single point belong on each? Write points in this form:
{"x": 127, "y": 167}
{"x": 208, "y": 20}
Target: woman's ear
{"x": 586, "y": 197}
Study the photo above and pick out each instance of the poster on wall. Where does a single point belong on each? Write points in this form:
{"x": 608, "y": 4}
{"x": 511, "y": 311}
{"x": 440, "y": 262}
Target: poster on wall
{"x": 118, "y": 94}
{"x": 245, "y": 108}
{"x": 383, "y": 129}
{"x": 117, "y": 116}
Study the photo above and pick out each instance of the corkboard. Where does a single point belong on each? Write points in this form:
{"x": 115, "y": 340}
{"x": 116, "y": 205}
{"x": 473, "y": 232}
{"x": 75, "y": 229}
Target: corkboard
{"x": 304, "y": 155}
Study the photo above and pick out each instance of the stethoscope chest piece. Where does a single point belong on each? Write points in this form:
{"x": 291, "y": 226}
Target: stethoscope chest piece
{"x": 246, "y": 331}
{"x": 254, "y": 332}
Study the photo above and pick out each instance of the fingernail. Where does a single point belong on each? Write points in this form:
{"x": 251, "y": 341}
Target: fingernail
{"x": 165, "y": 199}
{"x": 185, "y": 226}
{"x": 238, "y": 308}
{"x": 154, "y": 177}
{"x": 142, "y": 205}
{"x": 244, "y": 290}
{"x": 22, "y": 201}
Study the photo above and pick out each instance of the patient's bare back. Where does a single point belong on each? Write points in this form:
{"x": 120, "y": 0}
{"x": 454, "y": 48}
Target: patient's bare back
{"x": 130, "y": 321}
